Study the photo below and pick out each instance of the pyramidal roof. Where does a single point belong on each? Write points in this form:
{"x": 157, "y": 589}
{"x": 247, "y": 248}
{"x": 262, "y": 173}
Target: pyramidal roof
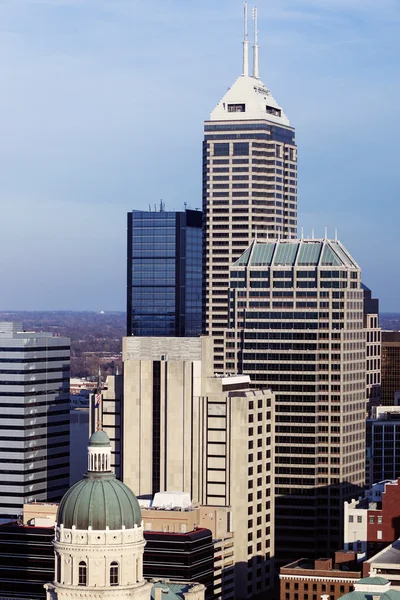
{"x": 249, "y": 98}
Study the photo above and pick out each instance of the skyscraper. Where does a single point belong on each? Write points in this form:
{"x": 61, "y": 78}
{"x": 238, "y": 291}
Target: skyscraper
{"x": 186, "y": 430}
{"x": 164, "y": 273}
{"x": 296, "y": 325}
{"x": 34, "y": 417}
{"x": 249, "y": 183}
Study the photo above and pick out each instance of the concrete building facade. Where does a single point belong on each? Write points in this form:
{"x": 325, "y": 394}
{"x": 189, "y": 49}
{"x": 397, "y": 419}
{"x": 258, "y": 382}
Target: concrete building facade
{"x": 373, "y": 349}
{"x": 34, "y": 417}
{"x": 296, "y": 325}
{"x": 186, "y": 430}
{"x": 249, "y": 185}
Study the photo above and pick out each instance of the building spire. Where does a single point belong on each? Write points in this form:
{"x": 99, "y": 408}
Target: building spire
{"x": 245, "y": 45}
{"x": 255, "y": 46}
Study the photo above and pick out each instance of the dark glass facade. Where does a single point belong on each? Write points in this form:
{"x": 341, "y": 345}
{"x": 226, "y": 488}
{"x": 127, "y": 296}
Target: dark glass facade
{"x": 185, "y": 557}
{"x": 164, "y": 273}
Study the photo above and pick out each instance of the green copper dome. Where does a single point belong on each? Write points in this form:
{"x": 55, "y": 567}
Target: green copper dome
{"x": 99, "y": 501}
{"x": 99, "y": 438}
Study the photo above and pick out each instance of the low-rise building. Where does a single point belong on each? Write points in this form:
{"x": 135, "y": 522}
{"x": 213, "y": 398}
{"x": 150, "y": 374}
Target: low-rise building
{"x": 26, "y": 552}
{"x": 386, "y": 563}
{"x": 373, "y": 522}
{"x": 307, "y": 579}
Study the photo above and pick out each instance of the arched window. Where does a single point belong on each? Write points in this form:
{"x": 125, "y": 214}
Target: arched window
{"x": 82, "y": 574}
{"x": 59, "y": 568}
{"x": 114, "y": 573}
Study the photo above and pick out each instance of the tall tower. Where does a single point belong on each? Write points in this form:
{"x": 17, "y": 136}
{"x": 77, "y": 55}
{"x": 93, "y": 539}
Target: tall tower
{"x": 249, "y": 183}
{"x": 164, "y": 273}
{"x": 296, "y": 325}
{"x": 34, "y": 417}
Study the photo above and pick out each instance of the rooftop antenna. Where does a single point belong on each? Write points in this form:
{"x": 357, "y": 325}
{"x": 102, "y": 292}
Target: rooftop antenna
{"x": 155, "y": 207}
{"x": 302, "y": 233}
{"x": 245, "y": 44}
{"x": 335, "y": 235}
{"x": 255, "y": 46}
{"x": 326, "y": 233}
{"x": 312, "y": 233}
{"x": 149, "y": 207}
{"x": 162, "y": 206}
{"x": 185, "y": 205}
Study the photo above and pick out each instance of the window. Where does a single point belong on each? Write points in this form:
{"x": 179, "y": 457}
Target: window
{"x": 236, "y": 107}
{"x": 379, "y": 535}
{"x": 82, "y": 573}
{"x": 359, "y": 519}
{"x": 114, "y": 573}
{"x": 59, "y": 568}
{"x": 351, "y": 518}
{"x": 221, "y": 149}
{"x": 241, "y": 148}
{"x": 380, "y": 520}
{"x": 271, "y": 110}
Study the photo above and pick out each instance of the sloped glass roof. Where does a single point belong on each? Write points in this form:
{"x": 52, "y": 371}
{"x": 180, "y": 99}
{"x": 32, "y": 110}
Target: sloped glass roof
{"x": 329, "y": 258}
{"x": 243, "y": 259}
{"x": 309, "y": 253}
{"x": 285, "y": 254}
{"x": 342, "y": 254}
{"x": 262, "y": 254}
{"x": 325, "y": 253}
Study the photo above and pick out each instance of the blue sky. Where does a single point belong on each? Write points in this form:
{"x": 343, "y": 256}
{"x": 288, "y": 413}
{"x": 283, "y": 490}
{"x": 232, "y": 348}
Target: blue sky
{"x": 102, "y": 110}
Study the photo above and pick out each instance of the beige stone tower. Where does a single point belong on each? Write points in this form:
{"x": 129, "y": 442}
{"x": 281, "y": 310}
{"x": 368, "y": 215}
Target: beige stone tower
{"x": 249, "y": 185}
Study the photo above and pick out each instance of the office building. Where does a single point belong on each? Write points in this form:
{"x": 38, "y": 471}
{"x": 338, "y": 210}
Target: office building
{"x": 390, "y": 373}
{"x": 34, "y": 418}
{"x": 164, "y": 293}
{"x": 306, "y": 578}
{"x": 383, "y": 444}
{"x": 373, "y": 349}
{"x": 26, "y": 552}
{"x": 296, "y": 326}
{"x": 186, "y": 429}
{"x": 249, "y": 184}
{"x": 175, "y": 513}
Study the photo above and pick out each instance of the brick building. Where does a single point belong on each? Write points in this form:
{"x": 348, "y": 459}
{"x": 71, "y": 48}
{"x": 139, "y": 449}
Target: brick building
{"x": 307, "y": 579}
{"x": 373, "y": 522}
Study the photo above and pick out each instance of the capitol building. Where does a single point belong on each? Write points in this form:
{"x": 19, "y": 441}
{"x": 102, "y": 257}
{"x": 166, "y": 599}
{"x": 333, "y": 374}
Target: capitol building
{"x": 99, "y": 542}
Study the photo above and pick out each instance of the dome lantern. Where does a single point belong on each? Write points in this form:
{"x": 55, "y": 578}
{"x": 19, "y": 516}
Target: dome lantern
{"x": 99, "y": 452}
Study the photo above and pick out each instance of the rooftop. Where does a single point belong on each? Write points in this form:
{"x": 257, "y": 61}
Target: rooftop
{"x": 300, "y": 253}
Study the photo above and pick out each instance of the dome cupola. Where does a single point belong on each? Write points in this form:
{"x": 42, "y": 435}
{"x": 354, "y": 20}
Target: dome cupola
{"x": 99, "y": 501}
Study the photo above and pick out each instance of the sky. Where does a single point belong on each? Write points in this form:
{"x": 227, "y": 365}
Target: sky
{"x": 102, "y": 110}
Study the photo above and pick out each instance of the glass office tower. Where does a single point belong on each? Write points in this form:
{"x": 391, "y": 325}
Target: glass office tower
{"x": 164, "y": 273}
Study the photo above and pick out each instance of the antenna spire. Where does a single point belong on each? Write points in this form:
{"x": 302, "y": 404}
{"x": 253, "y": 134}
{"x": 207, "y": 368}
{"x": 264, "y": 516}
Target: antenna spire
{"x": 245, "y": 45}
{"x": 255, "y": 46}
